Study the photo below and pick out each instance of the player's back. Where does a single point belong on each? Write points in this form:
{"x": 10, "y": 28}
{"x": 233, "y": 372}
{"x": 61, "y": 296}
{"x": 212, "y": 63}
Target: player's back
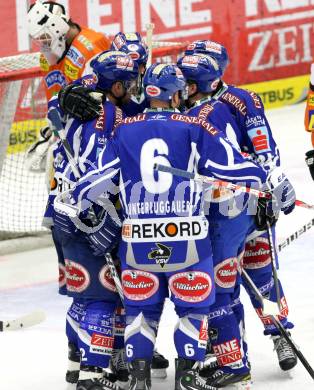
{"x": 163, "y": 137}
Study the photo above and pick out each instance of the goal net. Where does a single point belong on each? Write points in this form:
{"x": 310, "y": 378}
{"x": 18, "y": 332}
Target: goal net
{"x": 23, "y": 107}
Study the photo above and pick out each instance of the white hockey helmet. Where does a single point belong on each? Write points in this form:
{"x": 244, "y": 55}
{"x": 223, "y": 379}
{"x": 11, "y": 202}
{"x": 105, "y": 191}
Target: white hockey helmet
{"x": 47, "y": 25}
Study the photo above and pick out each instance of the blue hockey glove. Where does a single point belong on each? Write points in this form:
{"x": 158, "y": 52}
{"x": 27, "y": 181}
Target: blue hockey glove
{"x": 106, "y": 238}
{"x": 309, "y": 159}
{"x": 64, "y": 223}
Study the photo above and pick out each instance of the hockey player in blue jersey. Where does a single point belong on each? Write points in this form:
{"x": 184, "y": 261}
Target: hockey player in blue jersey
{"x": 165, "y": 243}
{"x": 255, "y": 137}
{"x": 134, "y": 45}
{"x": 81, "y": 103}
{"x": 229, "y": 222}
{"x": 78, "y": 99}
{"x": 86, "y": 276}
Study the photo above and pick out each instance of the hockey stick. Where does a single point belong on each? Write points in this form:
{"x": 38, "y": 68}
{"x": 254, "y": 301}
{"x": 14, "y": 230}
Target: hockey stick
{"x": 300, "y": 203}
{"x": 31, "y": 319}
{"x": 220, "y": 183}
{"x": 115, "y": 276}
{"x": 149, "y": 42}
{"x": 279, "y": 326}
{"x": 56, "y": 121}
{"x": 273, "y": 263}
{"x": 294, "y": 236}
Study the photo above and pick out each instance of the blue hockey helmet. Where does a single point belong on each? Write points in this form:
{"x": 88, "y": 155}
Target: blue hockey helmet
{"x": 161, "y": 81}
{"x": 131, "y": 44}
{"x": 201, "y": 69}
{"x": 213, "y": 49}
{"x": 111, "y": 66}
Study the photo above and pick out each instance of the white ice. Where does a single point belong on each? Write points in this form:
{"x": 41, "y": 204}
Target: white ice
{"x": 35, "y": 358}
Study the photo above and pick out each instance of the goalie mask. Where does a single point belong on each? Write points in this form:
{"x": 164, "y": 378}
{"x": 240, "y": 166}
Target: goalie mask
{"x": 47, "y": 25}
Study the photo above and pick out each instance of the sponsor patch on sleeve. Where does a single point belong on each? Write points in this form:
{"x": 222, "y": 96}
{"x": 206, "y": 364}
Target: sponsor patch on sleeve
{"x": 260, "y": 139}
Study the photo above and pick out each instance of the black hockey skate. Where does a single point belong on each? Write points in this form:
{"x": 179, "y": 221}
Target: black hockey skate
{"x": 210, "y": 364}
{"x": 221, "y": 379}
{"x": 286, "y": 356}
{"x": 187, "y": 377}
{"x": 74, "y": 358}
{"x": 159, "y": 366}
{"x": 140, "y": 374}
{"x": 119, "y": 367}
{"x": 93, "y": 378}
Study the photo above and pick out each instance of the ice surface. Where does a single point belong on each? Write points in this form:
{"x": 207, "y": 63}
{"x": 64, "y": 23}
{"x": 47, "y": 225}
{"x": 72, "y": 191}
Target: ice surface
{"x": 35, "y": 358}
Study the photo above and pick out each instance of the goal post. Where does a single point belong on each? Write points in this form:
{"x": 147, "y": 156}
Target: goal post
{"x": 23, "y": 107}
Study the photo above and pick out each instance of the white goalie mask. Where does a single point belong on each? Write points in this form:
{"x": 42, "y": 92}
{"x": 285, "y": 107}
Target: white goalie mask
{"x": 47, "y": 25}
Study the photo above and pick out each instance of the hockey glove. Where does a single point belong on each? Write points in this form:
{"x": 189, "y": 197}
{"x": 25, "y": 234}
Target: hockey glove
{"x": 36, "y": 155}
{"x": 64, "y": 224}
{"x": 106, "y": 238}
{"x": 282, "y": 191}
{"x": 309, "y": 159}
{"x": 80, "y": 102}
{"x": 265, "y": 213}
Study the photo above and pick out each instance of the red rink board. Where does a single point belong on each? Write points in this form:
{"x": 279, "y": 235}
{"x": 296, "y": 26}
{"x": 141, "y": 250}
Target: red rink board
{"x": 266, "y": 39}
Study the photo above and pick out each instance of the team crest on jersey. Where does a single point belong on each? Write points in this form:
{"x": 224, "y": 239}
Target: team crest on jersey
{"x": 193, "y": 286}
{"x": 139, "y": 285}
{"x": 226, "y": 273}
{"x": 161, "y": 254}
{"x": 77, "y": 276}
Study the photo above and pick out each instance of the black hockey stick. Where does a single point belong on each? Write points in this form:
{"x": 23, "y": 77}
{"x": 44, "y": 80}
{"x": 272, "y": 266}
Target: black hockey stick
{"x": 273, "y": 263}
{"x": 278, "y": 325}
{"x": 31, "y": 319}
{"x": 294, "y": 236}
{"x": 115, "y": 276}
{"x": 58, "y": 127}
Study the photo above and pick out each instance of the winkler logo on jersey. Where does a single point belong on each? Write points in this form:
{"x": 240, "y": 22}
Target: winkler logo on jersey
{"x": 194, "y": 286}
{"x": 139, "y": 285}
{"x": 164, "y": 229}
